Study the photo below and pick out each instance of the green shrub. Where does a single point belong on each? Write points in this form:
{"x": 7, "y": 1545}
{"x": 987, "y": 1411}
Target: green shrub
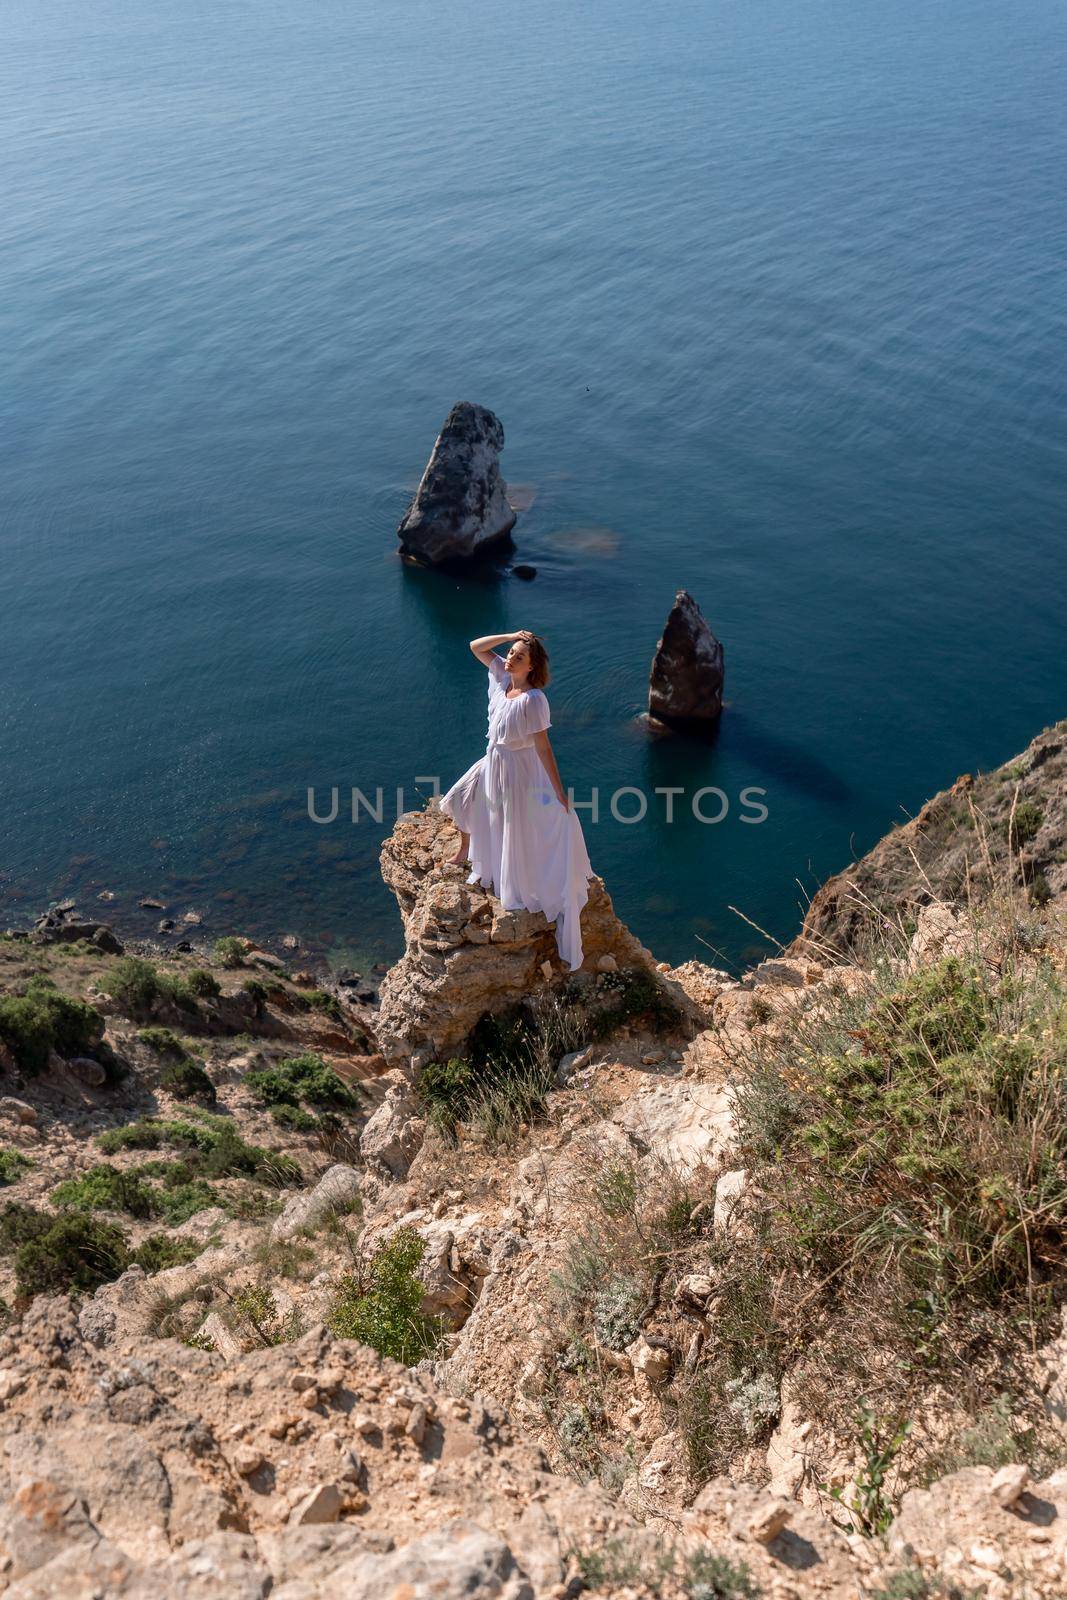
{"x": 230, "y": 952}
{"x": 20, "y": 1222}
{"x": 73, "y": 1255}
{"x": 212, "y": 1146}
{"x": 294, "y": 1118}
{"x": 381, "y": 1305}
{"x": 203, "y": 984}
{"x": 258, "y": 991}
{"x": 304, "y": 1078}
{"x": 628, "y": 1563}
{"x": 1025, "y": 824}
{"x": 320, "y": 1000}
{"x": 255, "y": 1308}
{"x": 710, "y": 1575}
{"x": 42, "y": 1020}
{"x": 179, "y": 1201}
{"x": 163, "y": 1040}
{"x": 134, "y": 983}
{"x": 187, "y": 1080}
{"x": 12, "y": 1165}
{"x": 160, "y": 1251}
{"x": 106, "y": 1188}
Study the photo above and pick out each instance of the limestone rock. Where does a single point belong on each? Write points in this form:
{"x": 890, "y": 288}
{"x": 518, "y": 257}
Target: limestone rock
{"x": 728, "y": 1193}
{"x": 40, "y": 1521}
{"x": 465, "y": 956}
{"x": 321, "y": 1504}
{"x": 335, "y": 1193}
{"x": 461, "y": 504}
{"x": 394, "y": 1133}
{"x": 684, "y": 1126}
{"x": 455, "y": 1562}
{"x": 1009, "y": 1483}
{"x": 685, "y": 684}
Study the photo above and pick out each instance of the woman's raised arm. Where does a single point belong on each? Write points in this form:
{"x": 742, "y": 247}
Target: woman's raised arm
{"x": 483, "y": 648}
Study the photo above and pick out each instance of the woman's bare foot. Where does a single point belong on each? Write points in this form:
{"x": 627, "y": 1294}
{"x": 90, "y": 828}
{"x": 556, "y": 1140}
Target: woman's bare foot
{"x": 461, "y": 856}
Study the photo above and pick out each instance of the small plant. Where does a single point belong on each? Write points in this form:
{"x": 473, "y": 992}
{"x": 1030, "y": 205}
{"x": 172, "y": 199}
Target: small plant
{"x": 617, "y": 1306}
{"x": 41, "y": 1020}
{"x": 73, "y": 1254}
{"x": 622, "y": 1563}
{"x": 187, "y": 1080}
{"x": 258, "y": 992}
{"x": 256, "y": 1309}
{"x": 12, "y": 1165}
{"x": 871, "y": 1510}
{"x": 1025, "y": 824}
{"x": 304, "y": 1078}
{"x": 712, "y": 1576}
{"x": 164, "y": 1041}
{"x": 106, "y": 1188}
{"x": 203, "y": 984}
{"x": 134, "y": 983}
{"x": 911, "y": 1583}
{"x": 328, "y": 1004}
{"x": 294, "y": 1118}
{"x": 381, "y": 1304}
{"x": 755, "y": 1402}
{"x": 160, "y": 1251}
{"x": 230, "y": 952}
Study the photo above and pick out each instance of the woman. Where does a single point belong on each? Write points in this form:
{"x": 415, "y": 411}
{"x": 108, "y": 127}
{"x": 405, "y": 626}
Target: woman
{"x": 516, "y": 825}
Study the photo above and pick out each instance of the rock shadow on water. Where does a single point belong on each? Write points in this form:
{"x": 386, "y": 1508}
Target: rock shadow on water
{"x": 786, "y": 762}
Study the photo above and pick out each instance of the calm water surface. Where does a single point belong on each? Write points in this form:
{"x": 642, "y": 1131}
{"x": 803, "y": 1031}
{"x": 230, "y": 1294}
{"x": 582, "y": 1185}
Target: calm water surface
{"x": 770, "y": 300}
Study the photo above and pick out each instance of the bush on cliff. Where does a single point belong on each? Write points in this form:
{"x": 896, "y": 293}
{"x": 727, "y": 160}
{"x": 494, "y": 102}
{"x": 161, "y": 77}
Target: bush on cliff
{"x": 914, "y": 1204}
{"x": 41, "y": 1020}
{"x": 137, "y": 984}
{"x": 12, "y": 1166}
{"x": 211, "y": 1145}
{"x": 68, "y": 1254}
{"x": 188, "y": 1080}
{"x": 230, "y": 952}
{"x": 381, "y": 1303}
{"x": 305, "y": 1078}
{"x": 105, "y": 1188}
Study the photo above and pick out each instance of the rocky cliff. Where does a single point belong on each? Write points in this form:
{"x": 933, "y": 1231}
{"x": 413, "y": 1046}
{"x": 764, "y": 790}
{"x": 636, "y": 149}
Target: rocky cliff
{"x": 637, "y": 1282}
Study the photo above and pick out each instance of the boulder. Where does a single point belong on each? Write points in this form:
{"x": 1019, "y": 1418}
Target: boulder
{"x": 455, "y": 1562}
{"x": 335, "y": 1193}
{"x": 461, "y": 504}
{"x": 685, "y": 684}
{"x": 466, "y": 956}
{"x": 681, "y": 1125}
{"x": 394, "y": 1134}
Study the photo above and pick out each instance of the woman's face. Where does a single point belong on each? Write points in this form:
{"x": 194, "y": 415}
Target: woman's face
{"x": 517, "y": 660}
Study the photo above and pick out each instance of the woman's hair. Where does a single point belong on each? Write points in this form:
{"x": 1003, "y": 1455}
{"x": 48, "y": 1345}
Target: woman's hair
{"x": 539, "y": 673}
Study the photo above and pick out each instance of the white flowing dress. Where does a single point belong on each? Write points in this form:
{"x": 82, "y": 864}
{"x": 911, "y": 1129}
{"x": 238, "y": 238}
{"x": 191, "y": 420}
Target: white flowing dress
{"x": 525, "y": 846}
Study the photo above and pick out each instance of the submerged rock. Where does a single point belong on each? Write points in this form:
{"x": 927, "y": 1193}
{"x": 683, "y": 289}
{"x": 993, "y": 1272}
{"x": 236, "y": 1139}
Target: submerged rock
{"x": 685, "y": 684}
{"x": 461, "y": 504}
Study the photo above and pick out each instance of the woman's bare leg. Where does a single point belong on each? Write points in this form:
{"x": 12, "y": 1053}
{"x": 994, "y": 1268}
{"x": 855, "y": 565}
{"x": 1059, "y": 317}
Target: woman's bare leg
{"x": 460, "y": 857}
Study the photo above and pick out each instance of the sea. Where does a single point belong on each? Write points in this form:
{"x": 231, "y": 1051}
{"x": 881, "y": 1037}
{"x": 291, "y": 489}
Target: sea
{"x": 771, "y": 301}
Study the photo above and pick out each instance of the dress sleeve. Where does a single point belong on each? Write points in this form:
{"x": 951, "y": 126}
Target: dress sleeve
{"x": 496, "y": 669}
{"x": 536, "y": 715}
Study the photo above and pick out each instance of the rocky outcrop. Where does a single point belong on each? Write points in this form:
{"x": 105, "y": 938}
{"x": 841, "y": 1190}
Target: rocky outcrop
{"x": 465, "y": 955}
{"x": 1005, "y": 829}
{"x": 316, "y": 1468}
{"x": 461, "y": 504}
{"x": 685, "y": 684}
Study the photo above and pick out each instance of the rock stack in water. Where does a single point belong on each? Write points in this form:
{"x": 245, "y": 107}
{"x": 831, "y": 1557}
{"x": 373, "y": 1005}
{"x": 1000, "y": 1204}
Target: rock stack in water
{"x": 685, "y": 684}
{"x": 461, "y": 504}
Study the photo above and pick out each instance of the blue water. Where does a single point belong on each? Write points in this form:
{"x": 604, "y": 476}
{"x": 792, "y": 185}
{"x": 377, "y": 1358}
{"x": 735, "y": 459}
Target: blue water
{"x": 771, "y": 302}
